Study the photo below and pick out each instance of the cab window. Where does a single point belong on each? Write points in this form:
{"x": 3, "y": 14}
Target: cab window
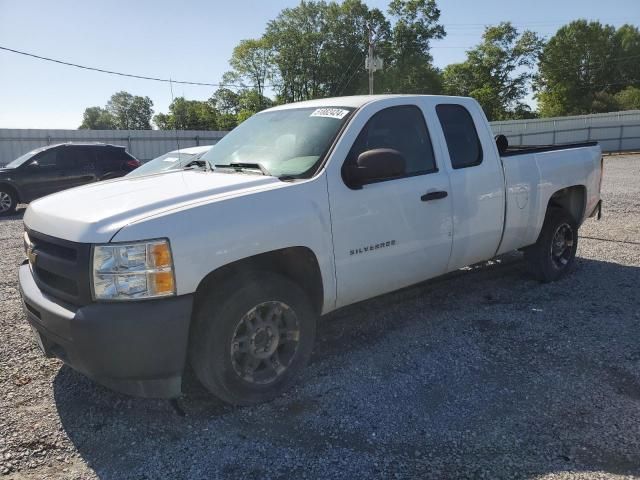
{"x": 461, "y": 135}
{"x": 400, "y": 128}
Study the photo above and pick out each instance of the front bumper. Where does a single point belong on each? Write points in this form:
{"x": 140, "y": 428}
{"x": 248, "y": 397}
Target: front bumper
{"x": 138, "y": 348}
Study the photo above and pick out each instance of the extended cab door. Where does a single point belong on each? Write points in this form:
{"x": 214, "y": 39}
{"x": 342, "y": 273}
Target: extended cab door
{"x": 477, "y": 181}
{"x": 396, "y": 232}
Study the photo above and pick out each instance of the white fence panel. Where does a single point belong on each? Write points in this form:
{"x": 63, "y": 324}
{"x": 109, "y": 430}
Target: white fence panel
{"x": 142, "y": 144}
{"x": 618, "y": 131}
{"x": 615, "y": 132}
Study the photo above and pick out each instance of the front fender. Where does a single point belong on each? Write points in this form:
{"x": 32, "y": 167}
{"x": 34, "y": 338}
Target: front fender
{"x": 16, "y": 188}
{"x": 208, "y": 236}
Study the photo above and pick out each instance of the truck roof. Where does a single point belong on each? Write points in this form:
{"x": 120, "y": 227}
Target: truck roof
{"x": 84, "y": 144}
{"x": 355, "y": 101}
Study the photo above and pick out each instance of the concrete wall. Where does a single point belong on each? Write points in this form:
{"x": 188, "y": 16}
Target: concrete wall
{"x": 616, "y": 132}
{"x": 142, "y": 144}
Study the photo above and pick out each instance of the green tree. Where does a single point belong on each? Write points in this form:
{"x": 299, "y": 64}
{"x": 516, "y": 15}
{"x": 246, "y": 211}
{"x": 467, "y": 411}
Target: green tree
{"x": 130, "y": 112}
{"x": 628, "y": 57}
{"x": 188, "y": 115}
{"x": 583, "y": 65}
{"x": 251, "y": 100}
{"x": 346, "y": 33}
{"x": 252, "y": 62}
{"x": 225, "y": 101}
{"x": 235, "y": 107}
{"x": 97, "y": 118}
{"x": 410, "y": 64}
{"x": 319, "y": 48}
{"x": 628, "y": 99}
{"x": 497, "y": 72}
{"x": 296, "y": 36}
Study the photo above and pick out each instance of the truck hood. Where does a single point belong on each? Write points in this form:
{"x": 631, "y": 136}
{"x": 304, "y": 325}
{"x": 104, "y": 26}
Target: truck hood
{"x": 95, "y": 213}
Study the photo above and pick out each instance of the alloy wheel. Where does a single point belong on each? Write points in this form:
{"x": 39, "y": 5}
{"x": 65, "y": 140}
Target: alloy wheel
{"x": 562, "y": 246}
{"x": 265, "y": 342}
{"x": 5, "y": 202}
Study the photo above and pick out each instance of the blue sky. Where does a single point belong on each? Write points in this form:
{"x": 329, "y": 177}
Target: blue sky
{"x": 193, "y": 40}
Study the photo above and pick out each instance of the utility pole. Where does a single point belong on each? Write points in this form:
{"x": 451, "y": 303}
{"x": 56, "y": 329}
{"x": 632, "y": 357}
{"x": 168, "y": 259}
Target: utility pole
{"x": 371, "y": 62}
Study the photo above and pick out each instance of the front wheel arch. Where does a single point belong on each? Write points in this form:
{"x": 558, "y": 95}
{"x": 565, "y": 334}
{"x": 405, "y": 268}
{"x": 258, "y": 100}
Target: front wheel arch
{"x": 13, "y": 192}
{"x": 298, "y": 264}
{"x": 13, "y": 189}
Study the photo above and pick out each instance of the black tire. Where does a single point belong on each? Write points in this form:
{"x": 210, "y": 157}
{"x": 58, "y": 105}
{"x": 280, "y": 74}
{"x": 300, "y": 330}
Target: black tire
{"x": 8, "y": 201}
{"x": 549, "y": 260}
{"x": 222, "y": 319}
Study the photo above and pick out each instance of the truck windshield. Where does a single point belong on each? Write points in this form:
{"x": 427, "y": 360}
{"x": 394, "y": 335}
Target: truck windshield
{"x": 285, "y": 142}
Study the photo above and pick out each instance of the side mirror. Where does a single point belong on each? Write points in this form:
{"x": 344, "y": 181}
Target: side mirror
{"x": 502, "y": 142}
{"x": 34, "y": 164}
{"x": 376, "y": 165}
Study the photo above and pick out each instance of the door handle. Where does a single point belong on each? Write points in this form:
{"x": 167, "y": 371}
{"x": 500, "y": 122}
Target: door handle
{"x": 433, "y": 196}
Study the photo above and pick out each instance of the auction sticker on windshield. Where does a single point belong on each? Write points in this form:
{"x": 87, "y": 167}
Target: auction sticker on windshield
{"x": 338, "y": 113}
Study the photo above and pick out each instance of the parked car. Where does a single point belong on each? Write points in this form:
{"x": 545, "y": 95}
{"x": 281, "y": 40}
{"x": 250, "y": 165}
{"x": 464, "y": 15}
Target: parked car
{"x": 50, "y": 169}
{"x": 173, "y": 160}
{"x": 311, "y": 206}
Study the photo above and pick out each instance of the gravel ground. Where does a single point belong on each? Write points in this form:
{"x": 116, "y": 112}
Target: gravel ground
{"x": 480, "y": 374}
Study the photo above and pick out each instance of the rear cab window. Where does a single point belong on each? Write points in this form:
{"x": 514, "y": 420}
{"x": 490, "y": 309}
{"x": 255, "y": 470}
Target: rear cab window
{"x": 460, "y": 134}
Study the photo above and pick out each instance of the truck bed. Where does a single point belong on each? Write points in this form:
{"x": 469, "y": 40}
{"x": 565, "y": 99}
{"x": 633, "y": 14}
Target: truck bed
{"x": 524, "y": 149}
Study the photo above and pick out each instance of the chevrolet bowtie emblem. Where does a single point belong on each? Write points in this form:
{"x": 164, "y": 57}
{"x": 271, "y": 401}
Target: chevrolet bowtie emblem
{"x": 31, "y": 255}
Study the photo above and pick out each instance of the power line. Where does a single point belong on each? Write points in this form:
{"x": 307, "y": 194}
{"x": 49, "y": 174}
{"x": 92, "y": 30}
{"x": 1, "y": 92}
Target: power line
{"x": 352, "y": 76}
{"x": 130, "y": 75}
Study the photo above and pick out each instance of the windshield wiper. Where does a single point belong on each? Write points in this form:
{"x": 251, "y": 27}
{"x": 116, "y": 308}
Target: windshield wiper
{"x": 245, "y": 166}
{"x": 198, "y": 164}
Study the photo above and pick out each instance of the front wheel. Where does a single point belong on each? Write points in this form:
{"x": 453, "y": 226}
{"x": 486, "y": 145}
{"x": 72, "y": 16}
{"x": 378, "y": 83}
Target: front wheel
{"x": 8, "y": 201}
{"x": 251, "y": 338}
{"x": 553, "y": 255}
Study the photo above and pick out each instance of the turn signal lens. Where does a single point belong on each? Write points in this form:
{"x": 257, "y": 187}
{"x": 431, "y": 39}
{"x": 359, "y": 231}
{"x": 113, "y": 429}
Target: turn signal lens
{"x": 162, "y": 283}
{"x": 160, "y": 255}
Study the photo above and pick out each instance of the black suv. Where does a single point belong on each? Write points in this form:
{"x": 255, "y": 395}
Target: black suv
{"x": 58, "y": 167}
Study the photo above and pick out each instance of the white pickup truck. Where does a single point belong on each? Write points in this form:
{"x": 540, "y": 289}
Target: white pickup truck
{"x": 310, "y": 207}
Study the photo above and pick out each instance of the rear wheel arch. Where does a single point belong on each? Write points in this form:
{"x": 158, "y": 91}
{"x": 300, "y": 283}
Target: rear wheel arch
{"x": 9, "y": 199}
{"x": 572, "y": 199}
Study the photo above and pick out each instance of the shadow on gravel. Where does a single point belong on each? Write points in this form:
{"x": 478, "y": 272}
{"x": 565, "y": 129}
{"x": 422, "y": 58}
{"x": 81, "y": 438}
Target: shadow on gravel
{"x": 17, "y": 215}
{"x": 484, "y": 373}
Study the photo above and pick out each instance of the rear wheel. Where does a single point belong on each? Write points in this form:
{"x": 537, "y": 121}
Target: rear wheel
{"x": 553, "y": 255}
{"x": 252, "y": 338}
{"x": 8, "y": 201}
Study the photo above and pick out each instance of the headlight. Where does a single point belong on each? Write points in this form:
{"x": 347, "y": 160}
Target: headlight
{"x": 133, "y": 271}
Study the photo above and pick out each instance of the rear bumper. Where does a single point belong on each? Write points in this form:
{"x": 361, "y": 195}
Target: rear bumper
{"x": 137, "y": 348}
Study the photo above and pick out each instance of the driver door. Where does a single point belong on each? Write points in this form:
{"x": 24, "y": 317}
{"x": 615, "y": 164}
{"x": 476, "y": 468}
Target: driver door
{"x": 391, "y": 233}
{"x": 42, "y": 174}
